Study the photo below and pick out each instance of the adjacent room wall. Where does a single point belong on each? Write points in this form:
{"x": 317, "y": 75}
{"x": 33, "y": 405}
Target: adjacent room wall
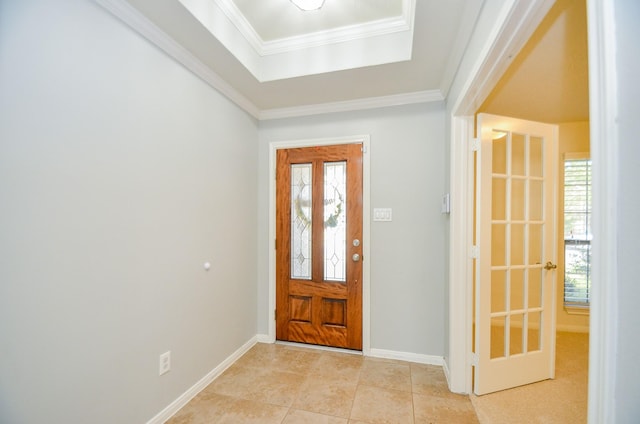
{"x": 121, "y": 173}
{"x": 407, "y": 259}
{"x": 573, "y": 137}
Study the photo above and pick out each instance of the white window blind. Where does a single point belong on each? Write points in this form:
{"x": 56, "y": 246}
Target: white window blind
{"x": 577, "y": 232}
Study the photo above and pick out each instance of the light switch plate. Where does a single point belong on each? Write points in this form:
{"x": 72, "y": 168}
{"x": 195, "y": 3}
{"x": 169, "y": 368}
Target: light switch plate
{"x": 165, "y": 362}
{"x": 446, "y": 207}
{"x": 382, "y": 214}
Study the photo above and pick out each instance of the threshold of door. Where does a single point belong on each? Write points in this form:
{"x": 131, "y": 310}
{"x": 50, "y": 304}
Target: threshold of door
{"x": 319, "y": 347}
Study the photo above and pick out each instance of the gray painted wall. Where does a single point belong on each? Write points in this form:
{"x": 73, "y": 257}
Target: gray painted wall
{"x": 627, "y": 390}
{"x": 120, "y": 174}
{"x": 407, "y": 255}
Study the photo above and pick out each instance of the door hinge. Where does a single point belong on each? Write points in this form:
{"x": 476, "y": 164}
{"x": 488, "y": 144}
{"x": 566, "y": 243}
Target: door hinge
{"x": 363, "y": 149}
{"x": 474, "y": 359}
{"x": 275, "y": 314}
{"x": 475, "y": 252}
{"x": 275, "y": 244}
{"x": 475, "y": 144}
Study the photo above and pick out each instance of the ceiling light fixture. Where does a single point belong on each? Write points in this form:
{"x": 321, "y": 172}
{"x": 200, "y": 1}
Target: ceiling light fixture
{"x": 308, "y": 4}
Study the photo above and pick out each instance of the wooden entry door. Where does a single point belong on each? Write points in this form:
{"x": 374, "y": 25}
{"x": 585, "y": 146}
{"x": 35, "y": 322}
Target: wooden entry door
{"x": 515, "y": 280}
{"x": 319, "y": 245}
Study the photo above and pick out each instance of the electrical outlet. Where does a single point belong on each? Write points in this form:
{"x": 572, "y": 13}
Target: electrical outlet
{"x": 165, "y": 362}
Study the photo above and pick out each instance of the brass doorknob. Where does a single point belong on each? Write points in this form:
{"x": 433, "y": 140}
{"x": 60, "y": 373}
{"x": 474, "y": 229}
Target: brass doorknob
{"x": 549, "y": 265}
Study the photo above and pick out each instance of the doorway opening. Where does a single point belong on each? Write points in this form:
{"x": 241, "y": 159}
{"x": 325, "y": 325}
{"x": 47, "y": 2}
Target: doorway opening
{"x": 480, "y": 88}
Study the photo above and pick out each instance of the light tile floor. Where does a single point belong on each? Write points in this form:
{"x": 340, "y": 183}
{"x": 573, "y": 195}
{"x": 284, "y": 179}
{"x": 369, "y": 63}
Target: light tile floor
{"x": 285, "y": 384}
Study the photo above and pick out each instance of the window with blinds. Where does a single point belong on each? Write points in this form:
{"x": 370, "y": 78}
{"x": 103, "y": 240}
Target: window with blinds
{"x": 577, "y": 232}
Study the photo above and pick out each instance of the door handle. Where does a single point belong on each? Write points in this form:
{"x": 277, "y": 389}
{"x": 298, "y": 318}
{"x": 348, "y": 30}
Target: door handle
{"x": 549, "y": 266}
{"x": 355, "y": 257}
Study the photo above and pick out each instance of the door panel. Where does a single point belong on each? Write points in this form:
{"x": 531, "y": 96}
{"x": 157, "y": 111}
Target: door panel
{"x": 318, "y": 232}
{"x": 515, "y": 293}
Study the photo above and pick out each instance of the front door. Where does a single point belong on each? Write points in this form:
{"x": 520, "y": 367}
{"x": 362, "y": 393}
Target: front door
{"x": 515, "y": 269}
{"x": 319, "y": 245}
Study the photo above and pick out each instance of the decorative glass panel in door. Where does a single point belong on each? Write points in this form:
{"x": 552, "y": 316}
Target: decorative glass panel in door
{"x": 335, "y": 223}
{"x": 301, "y": 192}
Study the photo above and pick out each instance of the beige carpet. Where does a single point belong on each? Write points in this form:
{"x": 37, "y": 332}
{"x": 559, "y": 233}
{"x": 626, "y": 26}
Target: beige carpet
{"x": 559, "y": 401}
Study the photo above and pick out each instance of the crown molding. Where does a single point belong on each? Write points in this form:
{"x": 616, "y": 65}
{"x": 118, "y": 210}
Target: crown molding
{"x": 334, "y": 36}
{"x": 400, "y": 23}
{"x": 132, "y": 17}
{"x": 143, "y": 26}
{"x": 241, "y": 23}
{"x": 223, "y": 20}
{"x": 352, "y": 105}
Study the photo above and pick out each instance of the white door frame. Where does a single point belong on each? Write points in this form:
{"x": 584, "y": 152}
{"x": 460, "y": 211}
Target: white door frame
{"x": 517, "y": 21}
{"x": 366, "y": 227}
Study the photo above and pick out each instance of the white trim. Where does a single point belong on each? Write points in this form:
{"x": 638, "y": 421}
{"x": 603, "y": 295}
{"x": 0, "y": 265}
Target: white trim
{"x": 603, "y": 340}
{"x": 241, "y": 23}
{"x": 354, "y": 52}
{"x": 516, "y": 21}
{"x": 391, "y": 25}
{"x": 556, "y": 277}
{"x": 461, "y": 261}
{"x": 351, "y": 105}
{"x": 447, "y": 374}
{"x": 407, "y": 356}
{"x": 576, "y": 309}
{"x": 338, "y": 35}
{"x": 572, "y": 328}
{"x": 184, "y": 398}
{"x": 576, "y": 156}
{"x": 366, "y": 226}
{"x": 265, "y": 338}
{"x": 143, "y": 26}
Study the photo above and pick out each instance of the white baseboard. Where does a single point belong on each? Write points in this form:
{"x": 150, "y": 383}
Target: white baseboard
{"x": 183, "y": 399}
{"x": 573, "y": 328}
{"x": 265, "y": 338}
{"x": 445, "y": 368}
{"x": 407, "y": 356}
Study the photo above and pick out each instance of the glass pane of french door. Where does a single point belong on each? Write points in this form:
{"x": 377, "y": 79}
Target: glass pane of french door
{"x": 517, "y": 243}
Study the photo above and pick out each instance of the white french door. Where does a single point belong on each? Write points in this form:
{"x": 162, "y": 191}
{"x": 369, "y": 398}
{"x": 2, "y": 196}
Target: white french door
{"x": 515, "y": 268}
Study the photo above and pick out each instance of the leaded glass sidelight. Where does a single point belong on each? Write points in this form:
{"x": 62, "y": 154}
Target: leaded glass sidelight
{"x": 301, "y": 215}
{"x": 335, "y": 223}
